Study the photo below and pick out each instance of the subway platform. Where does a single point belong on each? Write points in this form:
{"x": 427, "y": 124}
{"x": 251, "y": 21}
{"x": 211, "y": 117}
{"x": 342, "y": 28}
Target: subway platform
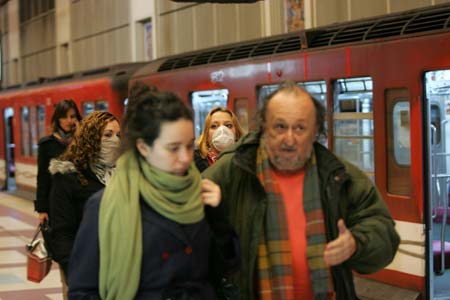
{"x": 18, "y": 223}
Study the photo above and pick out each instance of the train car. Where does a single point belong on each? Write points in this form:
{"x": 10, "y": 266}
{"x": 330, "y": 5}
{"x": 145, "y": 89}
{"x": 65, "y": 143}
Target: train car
{"x": 27, "y": 110}
{"x": 385, "y": 83}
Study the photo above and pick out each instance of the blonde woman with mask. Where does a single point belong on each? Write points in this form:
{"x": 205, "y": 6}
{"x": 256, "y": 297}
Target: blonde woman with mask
{"x": 221, "y": 129}
{"x": 86, "y": 167}
{"x": 146, "y": 236}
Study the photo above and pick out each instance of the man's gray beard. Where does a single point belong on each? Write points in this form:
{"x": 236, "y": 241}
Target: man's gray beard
{"x": 281, "y": 165}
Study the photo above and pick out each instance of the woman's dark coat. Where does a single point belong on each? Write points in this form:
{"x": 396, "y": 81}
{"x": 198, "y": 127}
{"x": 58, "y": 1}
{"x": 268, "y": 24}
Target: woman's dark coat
{"x": 67, "y": 200}
{"x": 200, "y": 162}
{"x": 49, "y": 148}
{"x": 174, "y": 259}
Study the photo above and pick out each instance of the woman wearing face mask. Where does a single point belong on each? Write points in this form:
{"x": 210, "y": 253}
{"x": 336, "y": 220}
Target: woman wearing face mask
{"x": 86, "y": 167}
{"x": 64, "y": 122}
{"x": 146, "y": 236}
{"x": 221, "y": 129}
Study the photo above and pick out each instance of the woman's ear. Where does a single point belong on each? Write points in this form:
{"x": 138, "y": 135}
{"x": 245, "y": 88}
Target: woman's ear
{"x": 142, "y": 147}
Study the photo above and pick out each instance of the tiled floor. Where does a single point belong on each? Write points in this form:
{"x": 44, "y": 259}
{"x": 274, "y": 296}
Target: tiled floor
{"x": 17, "y": 225}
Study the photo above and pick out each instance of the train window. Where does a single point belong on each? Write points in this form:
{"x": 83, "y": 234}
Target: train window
{"x": 356, "y": 84}
{"x": 101, "y": 105}
{"x": 241, "y": 110}
{"x": 353, "y": 122}
{"x": 32, "y": 128}
{"x": 88, "y": 107}
{"x": 398, "y": 150}
{"x": 203, "y": 102}
{"x": 41, "y": 121}
{"x": 33, "y": 131}
{"x": 401, "y": 133}
{"x": 25, "y": 131}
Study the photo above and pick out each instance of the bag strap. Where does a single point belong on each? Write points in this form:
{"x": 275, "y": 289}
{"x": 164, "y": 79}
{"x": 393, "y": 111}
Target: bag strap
{"x": 38, "y": 229}
{"x": 29, "y": 246}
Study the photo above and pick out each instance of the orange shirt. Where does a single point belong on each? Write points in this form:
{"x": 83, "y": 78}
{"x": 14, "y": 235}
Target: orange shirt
{"x": 291, "y": 187}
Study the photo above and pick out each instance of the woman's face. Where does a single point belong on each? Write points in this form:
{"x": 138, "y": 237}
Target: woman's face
{"x": 69, "y": 122}
{"x": 173, "y": 150}
{"x": 112, "y": 129}
{"x": 110, "y": 144}
{"x": 220, "y": 118}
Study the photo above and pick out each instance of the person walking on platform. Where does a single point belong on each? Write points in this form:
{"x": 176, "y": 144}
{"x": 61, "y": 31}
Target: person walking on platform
{"x": 145, "y": 236}
{"x": 305, "y": 218}
{"x": 86, "y": 167}
{"x": 64, "y": 121}
{"x": 221, "y": 129}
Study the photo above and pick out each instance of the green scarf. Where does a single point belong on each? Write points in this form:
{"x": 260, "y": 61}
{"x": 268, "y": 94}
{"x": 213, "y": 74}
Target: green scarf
{"x": 177, "y": 198}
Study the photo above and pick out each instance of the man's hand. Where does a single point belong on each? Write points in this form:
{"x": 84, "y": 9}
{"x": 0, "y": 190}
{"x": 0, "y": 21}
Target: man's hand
{"x": 339, "y": 250}
{"x": 211, "y": 194}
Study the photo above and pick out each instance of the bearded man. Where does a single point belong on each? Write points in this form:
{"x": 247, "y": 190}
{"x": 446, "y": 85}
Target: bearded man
{"x": 305, "y": 218}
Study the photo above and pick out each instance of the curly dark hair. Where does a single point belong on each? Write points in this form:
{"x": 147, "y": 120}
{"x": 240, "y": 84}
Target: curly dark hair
{"x": 86, "y": 142}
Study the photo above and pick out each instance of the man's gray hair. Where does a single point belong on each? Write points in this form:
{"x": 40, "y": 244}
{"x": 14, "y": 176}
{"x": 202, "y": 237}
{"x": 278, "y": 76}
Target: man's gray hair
{"x": 290, "y": 86}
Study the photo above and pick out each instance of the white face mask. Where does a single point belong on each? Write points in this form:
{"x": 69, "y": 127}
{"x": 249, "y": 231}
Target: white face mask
{"x": 109, "y": 151}
{"x": 222, "y": 138}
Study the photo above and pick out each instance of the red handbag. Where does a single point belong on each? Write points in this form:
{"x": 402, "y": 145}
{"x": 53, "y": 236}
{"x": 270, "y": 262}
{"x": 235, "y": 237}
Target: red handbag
{"x": 39, "y": 262}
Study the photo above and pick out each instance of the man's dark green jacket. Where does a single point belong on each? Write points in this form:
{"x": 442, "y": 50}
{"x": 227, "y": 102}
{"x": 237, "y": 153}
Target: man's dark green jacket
{"x": 346, "y": 192}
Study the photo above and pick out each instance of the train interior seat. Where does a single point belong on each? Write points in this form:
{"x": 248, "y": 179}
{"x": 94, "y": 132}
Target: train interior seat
{"x": 437, "y": 255}
{"x": 440, "y": 214}
{"x": 437, "y": 251}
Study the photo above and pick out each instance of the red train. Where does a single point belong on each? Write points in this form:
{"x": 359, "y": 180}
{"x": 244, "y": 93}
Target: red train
{"x": 27, "y": 110}
{"x": 386, "y": 85}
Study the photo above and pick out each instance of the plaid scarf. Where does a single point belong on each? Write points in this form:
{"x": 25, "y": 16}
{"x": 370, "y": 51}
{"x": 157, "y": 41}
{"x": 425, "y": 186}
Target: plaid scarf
{"x": 275, "y": 275}
{"x": 212, "y": 156}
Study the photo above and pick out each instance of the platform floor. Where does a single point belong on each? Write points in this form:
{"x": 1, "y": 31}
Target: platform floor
{"x": 18, "y": 223}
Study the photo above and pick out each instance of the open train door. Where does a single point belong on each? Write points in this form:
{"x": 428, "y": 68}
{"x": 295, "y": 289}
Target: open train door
{"x": 8, "y": 115}
{"x": 437, "y": 117}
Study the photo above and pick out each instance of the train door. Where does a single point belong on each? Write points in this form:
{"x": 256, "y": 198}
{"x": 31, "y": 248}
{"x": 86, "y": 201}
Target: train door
{"x": 8, "y": 115}
{"x": 437, "y": 96}
{"x": 202, "y": 102}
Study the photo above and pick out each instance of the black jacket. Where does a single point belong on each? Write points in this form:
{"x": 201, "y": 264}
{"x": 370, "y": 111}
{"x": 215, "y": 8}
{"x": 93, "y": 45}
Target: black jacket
{"x": 49, "y": 147}
{"x": 174, "y": 259}
{"x": 67, "y": 199}
{"x": 200, "y": 162}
